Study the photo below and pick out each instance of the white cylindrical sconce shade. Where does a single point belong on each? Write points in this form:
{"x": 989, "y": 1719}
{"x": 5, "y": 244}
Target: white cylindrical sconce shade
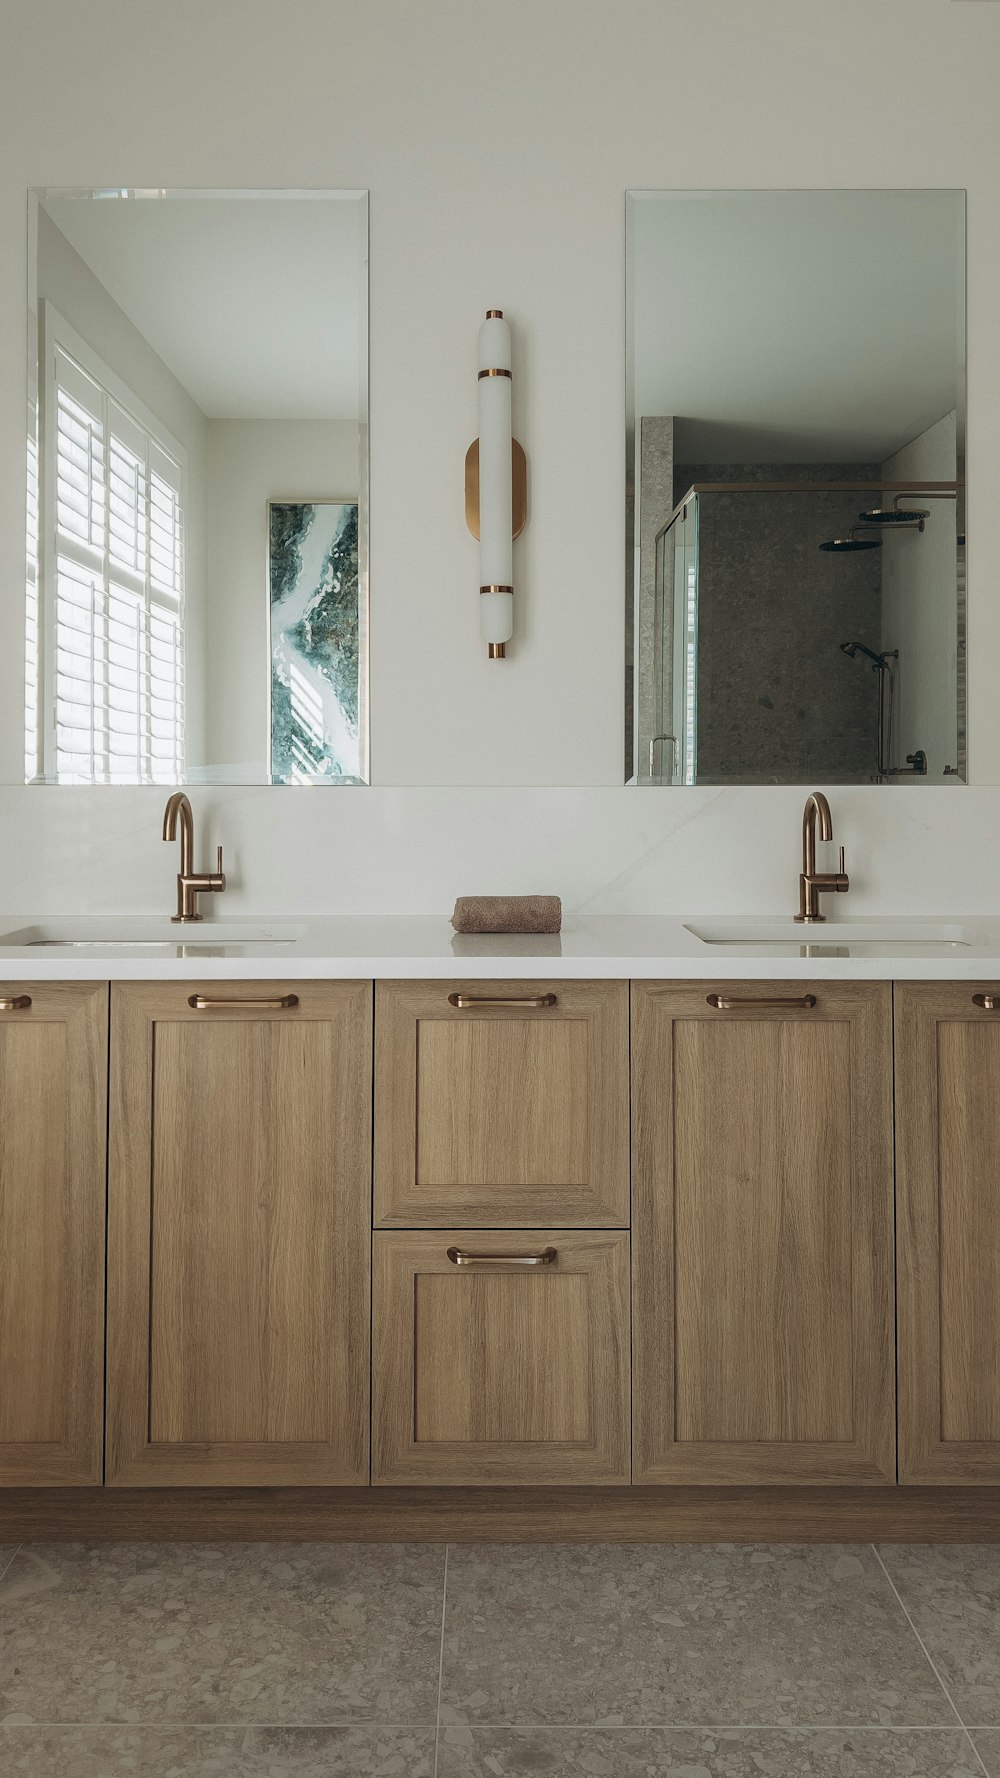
{"x": 496, "y": 550}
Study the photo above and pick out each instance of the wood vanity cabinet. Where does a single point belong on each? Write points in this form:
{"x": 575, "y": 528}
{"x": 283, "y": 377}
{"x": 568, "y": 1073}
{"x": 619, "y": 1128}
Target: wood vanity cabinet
{"x": 763, "y": 1346}
{"x": 53, "y": 1108}
{"x": 501, "y": 1103}
{"x": 501, "y": 1357}
{"x": 238, "y": 1233}
{"x": 948, "y": 1258}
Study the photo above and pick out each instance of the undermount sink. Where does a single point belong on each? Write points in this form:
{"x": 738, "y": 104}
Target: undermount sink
{"x": 129, "y": 934}
{"x": 852, "y": 934}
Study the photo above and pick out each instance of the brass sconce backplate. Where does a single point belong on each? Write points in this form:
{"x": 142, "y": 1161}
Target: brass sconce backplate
{"x": 519, "y": 468}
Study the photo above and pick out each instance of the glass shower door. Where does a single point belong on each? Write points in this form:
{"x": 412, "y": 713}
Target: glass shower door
{"x": 684, "y": 664}
{"x": 672, "y": 724}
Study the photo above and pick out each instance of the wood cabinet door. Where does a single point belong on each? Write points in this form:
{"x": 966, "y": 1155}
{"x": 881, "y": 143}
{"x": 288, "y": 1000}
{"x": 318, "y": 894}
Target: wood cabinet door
{"x": 491, "y": 1370}
{"x": 53, "y": 1117}
{"x": 948, "y": 1230}
{"x": 238, "y": 1236}
{"x": 762, "y": 1233}
{"x": 501, "y": 1103}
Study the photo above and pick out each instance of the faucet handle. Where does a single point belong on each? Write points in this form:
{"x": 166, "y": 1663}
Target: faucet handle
{"x": 840, "y": 867}
{"x": 218, "y": 856}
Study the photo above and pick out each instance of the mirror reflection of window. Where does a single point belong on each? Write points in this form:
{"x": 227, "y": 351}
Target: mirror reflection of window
{"x": 201, "y": 366}
{"x": 113, "y": 578}
{"x": 795, "y": 604}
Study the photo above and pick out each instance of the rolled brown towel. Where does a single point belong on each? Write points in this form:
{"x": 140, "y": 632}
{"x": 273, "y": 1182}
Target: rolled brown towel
{"x": 507, "y": 913}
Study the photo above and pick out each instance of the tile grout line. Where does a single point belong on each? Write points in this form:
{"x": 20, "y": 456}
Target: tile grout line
{"x": 149, "y": 1726}
{"x": 709, "y": 1728}
{"x": 927, "y": 1656}
{"x": 14, "y": 1552}
{"x": 444, "y": 1608}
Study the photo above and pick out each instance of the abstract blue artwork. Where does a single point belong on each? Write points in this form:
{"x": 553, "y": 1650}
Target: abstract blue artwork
{"x": 315, "y": 622}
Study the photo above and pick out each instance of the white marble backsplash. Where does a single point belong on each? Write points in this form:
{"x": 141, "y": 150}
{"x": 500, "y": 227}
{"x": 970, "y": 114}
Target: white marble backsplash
{"x": 910, "y": 849}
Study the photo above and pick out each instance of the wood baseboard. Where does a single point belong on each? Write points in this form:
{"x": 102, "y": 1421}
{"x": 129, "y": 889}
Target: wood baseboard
{"x": 503, "y": 1515}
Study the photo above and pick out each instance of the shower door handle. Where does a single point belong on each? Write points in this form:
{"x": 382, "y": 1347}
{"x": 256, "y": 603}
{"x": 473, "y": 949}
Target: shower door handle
{"x": 673, "y": 754}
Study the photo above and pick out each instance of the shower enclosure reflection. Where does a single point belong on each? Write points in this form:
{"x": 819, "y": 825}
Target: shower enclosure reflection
{"x": 749, "y": 623}
{"x": 795, "y": 570}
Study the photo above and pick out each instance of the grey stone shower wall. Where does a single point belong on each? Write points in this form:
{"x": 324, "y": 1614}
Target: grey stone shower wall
{"x": 777, "y": 700}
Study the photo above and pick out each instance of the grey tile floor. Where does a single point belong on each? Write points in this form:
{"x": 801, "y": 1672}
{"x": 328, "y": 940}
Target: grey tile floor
{"x": 500, "y": 1661}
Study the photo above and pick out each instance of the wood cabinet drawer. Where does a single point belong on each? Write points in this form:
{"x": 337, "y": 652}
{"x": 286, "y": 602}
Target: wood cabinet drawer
{"x": 239, "y": 1230}
{"x": 762, "y": 1232}
{"x": 501, "y": 1103}
{"x": 501, "y": 1372}
{"x": 53, "y": 1120}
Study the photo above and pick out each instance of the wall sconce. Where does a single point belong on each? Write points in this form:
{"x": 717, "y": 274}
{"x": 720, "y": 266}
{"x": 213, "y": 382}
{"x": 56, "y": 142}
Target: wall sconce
{"x": 496, "y": 486}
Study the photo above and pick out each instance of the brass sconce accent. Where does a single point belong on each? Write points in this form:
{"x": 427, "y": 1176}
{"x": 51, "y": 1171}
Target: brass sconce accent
{"x": 519, "y": 477}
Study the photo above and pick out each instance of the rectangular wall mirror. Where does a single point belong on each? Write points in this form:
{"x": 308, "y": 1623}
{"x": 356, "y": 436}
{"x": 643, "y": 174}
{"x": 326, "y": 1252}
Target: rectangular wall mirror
{"x": 795, "y": 574}
{"x": 197, "y": 587}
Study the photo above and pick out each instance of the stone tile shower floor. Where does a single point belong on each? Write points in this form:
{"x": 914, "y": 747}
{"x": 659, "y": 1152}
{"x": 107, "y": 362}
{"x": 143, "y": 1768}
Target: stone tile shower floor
{"x": 500, "y": 1661}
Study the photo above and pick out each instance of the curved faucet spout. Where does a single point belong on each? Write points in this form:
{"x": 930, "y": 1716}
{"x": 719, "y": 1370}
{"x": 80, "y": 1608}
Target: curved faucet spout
{"x": 816, "y": 805}
{"x": 178, "y": 805}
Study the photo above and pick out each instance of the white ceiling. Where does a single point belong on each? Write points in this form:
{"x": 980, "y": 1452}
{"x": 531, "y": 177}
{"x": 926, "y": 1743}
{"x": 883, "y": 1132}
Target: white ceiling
{"x": 257, "y": 305}
{"x": 796, "y": 326}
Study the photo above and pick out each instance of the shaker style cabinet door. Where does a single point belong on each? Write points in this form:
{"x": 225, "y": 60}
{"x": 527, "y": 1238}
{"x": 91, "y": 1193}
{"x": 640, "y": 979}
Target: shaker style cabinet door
{"x": 501, "y": 1357}
{"x": 948, "y": 1230}
{"x": 53, "y": 1115}
{"x": 762, "y": 1233}
{"x": 501, "y": 1103}
{"x": 238, "y": 1234}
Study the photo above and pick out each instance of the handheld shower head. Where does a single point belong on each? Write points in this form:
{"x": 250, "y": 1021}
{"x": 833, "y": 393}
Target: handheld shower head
{"x": 853, "y": 649}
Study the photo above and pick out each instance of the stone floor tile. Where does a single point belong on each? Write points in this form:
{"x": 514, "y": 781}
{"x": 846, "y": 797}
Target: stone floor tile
{"x": 681, "y": 1634}
{"x": 232, "y": 1634}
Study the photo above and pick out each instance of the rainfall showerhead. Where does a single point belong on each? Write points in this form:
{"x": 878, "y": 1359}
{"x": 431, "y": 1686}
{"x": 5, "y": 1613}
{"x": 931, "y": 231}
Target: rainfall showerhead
{"x": 901, "y": 515}
{"x": 894, "y": 515}
{"x": 842, "y": 545}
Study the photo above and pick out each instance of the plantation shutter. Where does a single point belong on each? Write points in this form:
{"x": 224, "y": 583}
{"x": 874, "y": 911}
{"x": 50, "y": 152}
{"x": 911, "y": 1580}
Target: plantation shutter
{"x": 116, "y": 532}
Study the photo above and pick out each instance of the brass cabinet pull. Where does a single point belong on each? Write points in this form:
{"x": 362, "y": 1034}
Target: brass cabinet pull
{"x": 988, "y": 1002}
{"x": 459, "y": 1256}
{"x": 204, "y": 1002}
{"x": 501, "y": 1000}
{"x": 15, "y": 1003}
{"x": 731, "y": 1003}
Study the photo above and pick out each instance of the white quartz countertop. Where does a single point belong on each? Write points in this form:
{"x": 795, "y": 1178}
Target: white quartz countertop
{"x": 730, "y": 948}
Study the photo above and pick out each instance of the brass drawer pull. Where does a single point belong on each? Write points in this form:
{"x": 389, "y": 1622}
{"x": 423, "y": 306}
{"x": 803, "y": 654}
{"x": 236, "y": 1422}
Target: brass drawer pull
{"x": 731, "y": 1003}
{"x": 15, "y": 1003}
{"x": 988, "y": 1002}
{"x": 501, "y": 1000}
{"x": 459, "y": 1256}
{"x": 204, "y": 1003}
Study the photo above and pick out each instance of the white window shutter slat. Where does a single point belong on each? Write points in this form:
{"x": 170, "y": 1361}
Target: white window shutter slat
{"x": 118, "y": 663}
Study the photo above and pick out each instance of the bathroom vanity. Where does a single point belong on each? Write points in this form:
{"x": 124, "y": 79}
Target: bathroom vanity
{"x": 399, "y": 1235}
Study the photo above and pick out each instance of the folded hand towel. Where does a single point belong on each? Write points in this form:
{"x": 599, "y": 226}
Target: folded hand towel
{"x": 507, "y": 913}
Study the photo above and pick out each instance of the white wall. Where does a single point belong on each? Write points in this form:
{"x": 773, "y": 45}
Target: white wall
{"x": 919, "y": 611}
{"x": 499, "y": 179}
{"x": 248, "y": 463}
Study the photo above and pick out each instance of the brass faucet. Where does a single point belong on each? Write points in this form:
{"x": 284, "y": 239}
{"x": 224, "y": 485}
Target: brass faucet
{"x": 814, "y": 883}
{"x": 190, "y": 883}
